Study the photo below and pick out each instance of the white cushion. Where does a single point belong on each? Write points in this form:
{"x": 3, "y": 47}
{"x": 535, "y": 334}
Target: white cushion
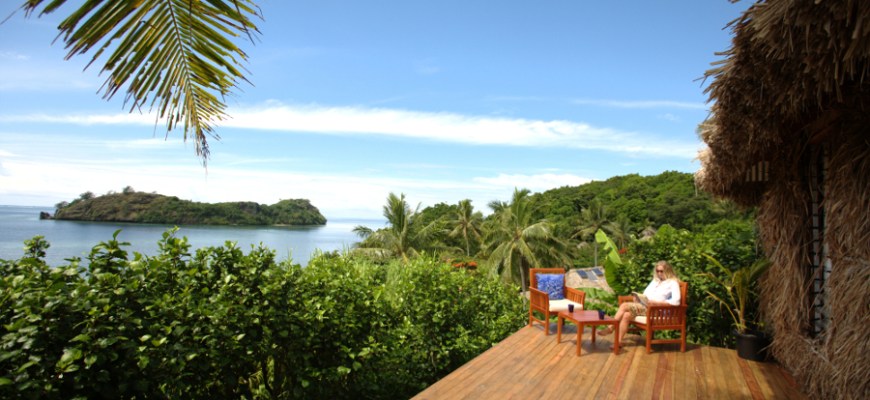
{"x": 641, "y": 319}
{"x": 562, "y": 305}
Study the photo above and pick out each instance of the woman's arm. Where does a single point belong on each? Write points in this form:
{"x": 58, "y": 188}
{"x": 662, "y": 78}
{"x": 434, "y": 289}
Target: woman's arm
{"x": 674, "y": 287}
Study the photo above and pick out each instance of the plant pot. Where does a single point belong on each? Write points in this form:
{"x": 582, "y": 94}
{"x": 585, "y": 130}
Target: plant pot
{"x": 752, "y": 345}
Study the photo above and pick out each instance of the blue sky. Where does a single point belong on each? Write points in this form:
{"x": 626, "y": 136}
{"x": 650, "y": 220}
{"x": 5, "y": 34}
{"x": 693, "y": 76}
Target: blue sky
{"x": 351, "y": 100}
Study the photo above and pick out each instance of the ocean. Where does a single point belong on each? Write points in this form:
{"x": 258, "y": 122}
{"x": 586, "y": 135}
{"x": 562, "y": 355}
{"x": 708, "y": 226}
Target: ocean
{"x": 76, "y": 238}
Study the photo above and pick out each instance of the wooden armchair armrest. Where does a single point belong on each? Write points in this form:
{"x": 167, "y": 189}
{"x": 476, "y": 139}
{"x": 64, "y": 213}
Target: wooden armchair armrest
{"x": 624, "y": 299}
{"x": 576, "y": 295}
{"x": 539, "y": 299}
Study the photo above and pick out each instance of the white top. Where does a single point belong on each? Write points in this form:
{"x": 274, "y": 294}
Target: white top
{"x": 667, "y": 291}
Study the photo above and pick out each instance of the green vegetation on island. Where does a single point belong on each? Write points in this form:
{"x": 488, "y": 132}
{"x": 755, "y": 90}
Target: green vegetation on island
{"x": 140, "y": 207}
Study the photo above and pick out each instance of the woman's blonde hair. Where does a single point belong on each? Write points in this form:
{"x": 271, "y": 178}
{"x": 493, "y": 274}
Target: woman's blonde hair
{"x": 668, "y": 271}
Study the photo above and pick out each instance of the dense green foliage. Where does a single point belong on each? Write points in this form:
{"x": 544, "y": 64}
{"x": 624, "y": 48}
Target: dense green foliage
{"x": 626, "y": 208}
{"x": 224, "y": 324}
{"x": 132, "y": 206}
{"x": 557, "y": 228}
{"x": 668, "y": 198}
{"x": 517, "y": 242}
{"x": 730, "y": 242}
{"x": 404, "y": 234}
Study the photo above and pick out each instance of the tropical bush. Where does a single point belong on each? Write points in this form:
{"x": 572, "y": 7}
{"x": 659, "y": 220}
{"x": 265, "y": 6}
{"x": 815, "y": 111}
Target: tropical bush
{"x": 222, "y": 323}
{"x": 732, "y": 242}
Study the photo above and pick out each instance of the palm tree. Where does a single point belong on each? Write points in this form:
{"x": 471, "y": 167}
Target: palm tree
{"x": 402, "y": 236}
{"x": 497, "y": 206}
{"x": 521, "y": 243}
{"x": 466, "y": 223}
{"x": 620, "y": 230}
{"x": 173, "y": 56}
{"x": 592, "y": 219}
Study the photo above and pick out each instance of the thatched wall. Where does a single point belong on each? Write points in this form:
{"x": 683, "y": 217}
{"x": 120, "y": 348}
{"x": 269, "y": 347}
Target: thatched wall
{"x": 835, "y": 363}
{"x": 796, "y": 79}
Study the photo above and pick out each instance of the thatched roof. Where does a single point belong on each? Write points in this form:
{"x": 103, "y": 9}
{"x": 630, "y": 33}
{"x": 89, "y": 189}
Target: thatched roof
{"x": 796, "y": 71}
{"x": 790, "y": 133}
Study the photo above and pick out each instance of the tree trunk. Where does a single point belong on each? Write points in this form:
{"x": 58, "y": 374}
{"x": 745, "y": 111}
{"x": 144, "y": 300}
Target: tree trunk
{"x": 525, "y": 286}
{"x": 595, "y": 253}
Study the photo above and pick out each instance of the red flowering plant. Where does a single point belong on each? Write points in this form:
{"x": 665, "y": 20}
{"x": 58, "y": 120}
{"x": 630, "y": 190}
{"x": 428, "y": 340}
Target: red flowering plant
{"x": 465, "y": 264}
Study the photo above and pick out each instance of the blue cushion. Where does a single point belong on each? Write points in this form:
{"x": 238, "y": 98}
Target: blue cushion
{"x": 552, "y": 285}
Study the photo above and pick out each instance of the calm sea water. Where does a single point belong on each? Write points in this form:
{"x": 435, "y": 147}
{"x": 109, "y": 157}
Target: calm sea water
{"x": 74, "y": 238}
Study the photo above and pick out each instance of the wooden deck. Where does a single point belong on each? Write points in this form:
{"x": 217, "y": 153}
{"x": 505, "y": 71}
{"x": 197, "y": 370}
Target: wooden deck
{"x": 530, "y": 365}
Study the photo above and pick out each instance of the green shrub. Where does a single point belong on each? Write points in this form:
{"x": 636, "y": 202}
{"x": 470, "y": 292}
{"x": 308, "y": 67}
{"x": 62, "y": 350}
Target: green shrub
{"x": 221, "y": 323}
{"x": 733, "y": 242}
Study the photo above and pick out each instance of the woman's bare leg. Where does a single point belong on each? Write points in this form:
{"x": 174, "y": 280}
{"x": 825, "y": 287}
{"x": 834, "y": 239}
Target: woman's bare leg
{"x": 621, "y": 314}
{"x": 623, "y": 325}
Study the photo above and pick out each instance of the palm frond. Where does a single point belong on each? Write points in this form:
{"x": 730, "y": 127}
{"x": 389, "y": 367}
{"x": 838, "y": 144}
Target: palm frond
{"x": 173, "y": 56}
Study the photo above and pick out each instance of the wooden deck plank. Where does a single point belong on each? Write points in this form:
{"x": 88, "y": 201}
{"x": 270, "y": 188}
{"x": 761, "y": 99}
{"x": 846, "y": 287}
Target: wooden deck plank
{"x": 536, "y": 375}
{"x": 715, "y": 378}
{"x": 597, "y": 376}
{"x": 778, "y": 378}
{"x": 641, "y": 365}
{"x": 701, "y": 374}
{"x": 749, "y": 378}
{"x": 577, "y": 376}
{"x": 484, "y": 370}
{"x": 529, "y": 364}
{"x": 685, "y": 375}
{"x": 734, "y": 371}
{"x": 613, "y": 378}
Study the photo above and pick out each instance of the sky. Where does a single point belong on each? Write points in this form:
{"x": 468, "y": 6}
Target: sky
{"x": 350, "y": 100}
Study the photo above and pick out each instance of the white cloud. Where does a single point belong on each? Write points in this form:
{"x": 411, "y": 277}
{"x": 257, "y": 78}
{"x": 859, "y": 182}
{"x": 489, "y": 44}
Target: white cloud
{"x": 140, "y": 144}
{"x": 670, "y": 117}
{"x": 436, "y": 126}
{"x": 359, "y": 194}
{"x": 15, "y": 56}
{"x": 455, "y": 128}
{"x": 535, "y": 183}
{"x": 97, "y": 119}
{"x": 640, "y": 103}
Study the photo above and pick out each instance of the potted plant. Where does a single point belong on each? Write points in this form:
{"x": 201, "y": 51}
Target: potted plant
{"x": 739, "y": 298}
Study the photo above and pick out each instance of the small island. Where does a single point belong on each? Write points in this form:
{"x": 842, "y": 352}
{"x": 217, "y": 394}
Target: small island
{"x": 153, "y": 208}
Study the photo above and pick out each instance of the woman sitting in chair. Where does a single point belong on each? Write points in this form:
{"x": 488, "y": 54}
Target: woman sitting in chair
{"x": 663, "y": 290}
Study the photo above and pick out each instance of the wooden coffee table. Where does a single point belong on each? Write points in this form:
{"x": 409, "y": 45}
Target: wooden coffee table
{"x": 583, "y": 318}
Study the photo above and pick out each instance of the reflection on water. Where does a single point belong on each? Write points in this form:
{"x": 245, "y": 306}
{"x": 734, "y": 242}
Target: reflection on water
{"x": 74, "y": 238}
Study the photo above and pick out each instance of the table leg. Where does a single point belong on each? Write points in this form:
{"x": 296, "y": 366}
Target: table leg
{"x": 594, "y": 328}
{"x": 616, "y": 338}
{"x": 559, "y": 322}
{"x": 579, "y": 337}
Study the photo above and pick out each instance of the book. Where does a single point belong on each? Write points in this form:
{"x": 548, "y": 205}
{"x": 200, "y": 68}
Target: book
{"x": 640, "y": 298}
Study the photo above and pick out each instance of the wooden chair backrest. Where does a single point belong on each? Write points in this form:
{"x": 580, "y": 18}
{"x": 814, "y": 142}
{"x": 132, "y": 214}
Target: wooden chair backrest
{"x": 533, "y": 274}
{"x": 684, "y": 289}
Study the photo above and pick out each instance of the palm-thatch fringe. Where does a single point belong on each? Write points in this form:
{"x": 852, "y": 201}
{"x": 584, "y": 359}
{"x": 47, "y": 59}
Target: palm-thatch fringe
{"x": 791, "y": 62}
{"x": 796, "y": 80}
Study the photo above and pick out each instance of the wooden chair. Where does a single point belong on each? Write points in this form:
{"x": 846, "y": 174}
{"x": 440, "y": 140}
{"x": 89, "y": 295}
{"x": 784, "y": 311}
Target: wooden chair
{"x": 540, "y": 301}
{"x": 661, "y": 318}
